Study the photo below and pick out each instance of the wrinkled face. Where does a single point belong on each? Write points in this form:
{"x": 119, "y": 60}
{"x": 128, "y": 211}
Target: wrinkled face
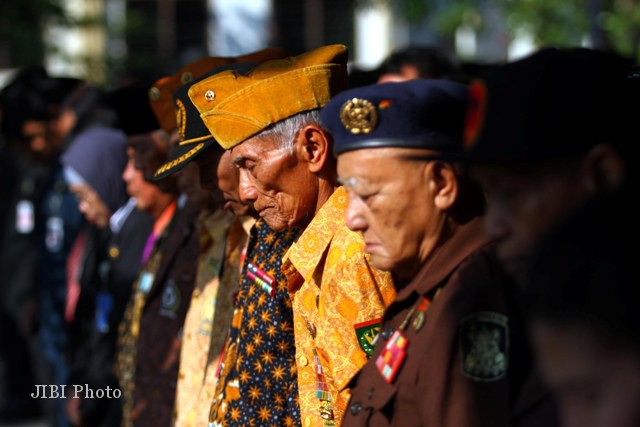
{"x": 392, "y": 205}
{"x": 595, "y": 378}
{"x": 275, "y": 182}
{"x": 91, "y": 205}
{"x": 228, "y": 177}
{"x": 148, "y": 196}
{"x": 524, "y": 204}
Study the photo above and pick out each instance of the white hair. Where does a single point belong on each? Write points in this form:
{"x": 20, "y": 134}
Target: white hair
{"x": 284, "y": 132}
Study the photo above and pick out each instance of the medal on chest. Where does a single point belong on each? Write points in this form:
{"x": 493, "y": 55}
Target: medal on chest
{"x": 394, "y": 352}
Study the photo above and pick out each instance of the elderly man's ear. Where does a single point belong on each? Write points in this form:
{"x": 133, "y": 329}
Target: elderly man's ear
{"x": 442, "y": 182}
{"x": 313, "y": 146}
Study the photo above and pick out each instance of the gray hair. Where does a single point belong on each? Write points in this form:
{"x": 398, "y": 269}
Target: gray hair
{"x": 284, "y": 132}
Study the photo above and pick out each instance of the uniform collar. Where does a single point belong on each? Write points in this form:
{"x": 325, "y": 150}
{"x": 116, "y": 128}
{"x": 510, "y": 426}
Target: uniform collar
{"x": 467, "y": 239}
{"x": 308, "y": 252}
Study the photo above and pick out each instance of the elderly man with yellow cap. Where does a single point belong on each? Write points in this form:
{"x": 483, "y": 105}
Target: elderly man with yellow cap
{"x": 269, "y": 119}
{"x": 150, "y": 335}
{"x": 222, "y": 239}
{"x": 450, "y": 352}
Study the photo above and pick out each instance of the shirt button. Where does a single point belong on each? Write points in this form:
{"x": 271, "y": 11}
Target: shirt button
{"x": 356, "y": 408}
{"x": 370, "y": 393}
{"x": 303, "y": 361}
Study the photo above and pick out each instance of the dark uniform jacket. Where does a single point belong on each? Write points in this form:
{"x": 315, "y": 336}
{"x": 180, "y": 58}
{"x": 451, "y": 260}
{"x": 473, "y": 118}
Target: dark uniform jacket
{"x": 162, "y": 319}
{"x": 466, "y": 358}
{"x": 113, "y": 280}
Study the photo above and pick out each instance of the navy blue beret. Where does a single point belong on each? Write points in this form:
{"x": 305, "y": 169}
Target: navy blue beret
{"x": 414, "y": 114}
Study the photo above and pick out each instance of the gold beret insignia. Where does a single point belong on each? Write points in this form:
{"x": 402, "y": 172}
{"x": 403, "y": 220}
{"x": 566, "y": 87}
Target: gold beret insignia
{"x": 359, "y": 116}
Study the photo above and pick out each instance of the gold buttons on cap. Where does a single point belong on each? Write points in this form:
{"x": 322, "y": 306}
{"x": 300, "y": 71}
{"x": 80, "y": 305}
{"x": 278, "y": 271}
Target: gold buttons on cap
{"x": 114, "y": 252}
{"x": 186, "y": 77}
{"x": 154, "y": 93}
{"x": 359, "y": 116}
{"x": 209, "y": 95}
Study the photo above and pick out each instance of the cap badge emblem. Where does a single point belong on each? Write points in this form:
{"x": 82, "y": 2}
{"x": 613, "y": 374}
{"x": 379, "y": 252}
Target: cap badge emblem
{"x": 359, "y": 116}
{"x": 209, "y": 95}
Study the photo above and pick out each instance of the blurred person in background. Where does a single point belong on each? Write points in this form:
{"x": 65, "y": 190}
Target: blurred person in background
{"x": 584, "y": 320}
{"x": 28, "y": 157}
{"x": 416, "y": 62}
{"x": 150, "y": 334}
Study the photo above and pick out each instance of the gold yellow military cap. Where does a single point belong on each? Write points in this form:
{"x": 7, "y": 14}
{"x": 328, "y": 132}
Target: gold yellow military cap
{"x": 235, "y": 107}
{"x": 161, "y": 93}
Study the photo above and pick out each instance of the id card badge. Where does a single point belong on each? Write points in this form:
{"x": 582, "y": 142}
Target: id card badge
{"x": 24, "y": 217}
{"x": 146, "y": 280}
{"x": 54, "y": 238}
{"x": 104, "y": 304}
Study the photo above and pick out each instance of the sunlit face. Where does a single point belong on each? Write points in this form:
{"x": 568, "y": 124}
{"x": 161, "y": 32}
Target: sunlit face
{"x": 391, "y": 203}
{"x": 228, "y": 176}
{"x": 91, "y": 205}
{"x": 595, "y": 378}
{"x": 148, "y": 196}
{"x": 525, "y": 203}
{"x": 275, "y": 183}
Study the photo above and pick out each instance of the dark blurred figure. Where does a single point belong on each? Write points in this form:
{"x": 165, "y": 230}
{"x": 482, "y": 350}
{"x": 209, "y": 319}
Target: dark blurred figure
{"x": 149, "y": 338}
{"x": 547, "y": 135}
{"x": 416, "y": 62}
{"x": 585, "y": 324}
{"x": 542, "y": 146}
{"x": 93, "y": 166}
{"x": 27, "y": 105}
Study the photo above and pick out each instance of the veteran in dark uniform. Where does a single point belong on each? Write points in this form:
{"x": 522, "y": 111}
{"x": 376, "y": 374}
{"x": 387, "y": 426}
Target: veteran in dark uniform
{"x": 449, "y": 352}
{"x": 150, "y": 334}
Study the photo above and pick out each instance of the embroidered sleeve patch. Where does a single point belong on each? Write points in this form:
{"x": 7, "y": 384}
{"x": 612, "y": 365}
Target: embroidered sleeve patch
{"x": 484, "y": 345}
{"x": 367, "y": 333}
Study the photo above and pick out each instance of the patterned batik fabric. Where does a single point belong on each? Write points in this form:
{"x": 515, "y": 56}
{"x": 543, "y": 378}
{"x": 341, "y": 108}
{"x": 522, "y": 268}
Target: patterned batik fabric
{"x": 258, "y": 380}
{"x": 222, "y": 239}
{"x": 338, "y": 302}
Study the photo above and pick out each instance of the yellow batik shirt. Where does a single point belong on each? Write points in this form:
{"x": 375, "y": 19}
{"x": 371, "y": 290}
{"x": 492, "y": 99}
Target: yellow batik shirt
{"x": 338, "y": 302}
{"x": 222, "y": 239}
